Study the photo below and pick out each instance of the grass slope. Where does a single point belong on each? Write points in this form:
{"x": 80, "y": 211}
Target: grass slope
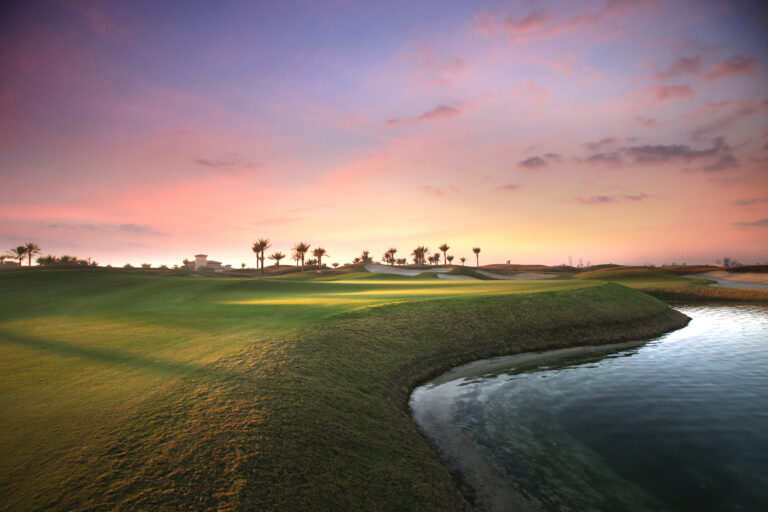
{"x": 130, "y": 391}
{"x": 665, "y": 283}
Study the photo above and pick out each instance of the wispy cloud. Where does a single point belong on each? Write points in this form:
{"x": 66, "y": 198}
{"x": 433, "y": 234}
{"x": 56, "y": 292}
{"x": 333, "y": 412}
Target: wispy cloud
{"x": 760, "y": 223}
{"x": 669, "y": 92}
{"x": 508, "y": 187}
{"x": 596, "y": 199}
{"x": 637, "y": 197}
{"x": 613, "y": 199}
{"x": 606, "y": 142}
{"x": 539, "y": 162}
{"x": 719, "y": 157}
{"x": 646, "y": 121}
{"x": 750, "y": 202}
{"x": 229, "y": 161}
{"x": 692, "y": 66}
{"x": 439, "y": 112}
{"x": 722, "y": 116}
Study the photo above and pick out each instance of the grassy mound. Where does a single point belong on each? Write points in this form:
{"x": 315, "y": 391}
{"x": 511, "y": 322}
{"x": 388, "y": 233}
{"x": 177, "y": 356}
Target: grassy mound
{"x": 132, "y": 391}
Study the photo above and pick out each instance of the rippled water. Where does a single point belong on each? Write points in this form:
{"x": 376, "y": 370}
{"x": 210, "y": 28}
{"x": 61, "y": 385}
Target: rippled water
{"x": 678, "y": 423}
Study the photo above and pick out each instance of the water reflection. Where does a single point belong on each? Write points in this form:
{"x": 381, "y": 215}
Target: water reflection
{"x": 678, "y": 423}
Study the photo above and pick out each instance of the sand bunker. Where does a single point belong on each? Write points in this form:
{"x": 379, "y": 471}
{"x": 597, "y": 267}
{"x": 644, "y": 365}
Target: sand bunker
{"x": 388, "y": 269}
{"x": 725, "y": 279}
{"x": 521, "y": 275}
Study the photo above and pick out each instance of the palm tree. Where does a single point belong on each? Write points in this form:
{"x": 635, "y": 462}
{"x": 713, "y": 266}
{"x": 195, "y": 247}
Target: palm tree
{"x": 402, "y": 261}
{"x": 255, "y": 248}
{"x": 295, "y": 257}
{"x": 335, "y": 264}
{"x": 318, "y": 253}
{"x": 476, "y": 250}
{"x": 47, "y": 260}
{"x": 463, "y": 259}
{"x": 391, "y": 252}
{"x": 32, "y": 248}
{"x": 356, "y": 260}
{"x": 277, "y": 256}
{"x": 450, "y": 259}
{"x": 17, "y": 253}
{"x": 444, "y": 248}
{"x": 419, "y": 254}
{"x": 261, "y": 246}
{"x": 301, "y": 249}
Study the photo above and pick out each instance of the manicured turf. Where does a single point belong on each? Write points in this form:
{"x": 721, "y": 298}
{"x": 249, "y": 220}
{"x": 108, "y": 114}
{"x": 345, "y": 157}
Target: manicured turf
{"x": 128, "y": 390}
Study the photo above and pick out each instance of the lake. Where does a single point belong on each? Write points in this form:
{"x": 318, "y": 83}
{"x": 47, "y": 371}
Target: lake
{"x": 675, "y": 423}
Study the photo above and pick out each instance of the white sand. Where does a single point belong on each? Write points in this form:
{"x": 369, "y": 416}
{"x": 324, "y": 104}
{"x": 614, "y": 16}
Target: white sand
{"x": 390, "y": 269}
{"x": 521, "y": 275}
{"x": 725, "y": 279}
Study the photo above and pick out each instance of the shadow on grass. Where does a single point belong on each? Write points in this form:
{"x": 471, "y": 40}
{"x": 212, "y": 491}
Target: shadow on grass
{"x": 110, "y": 356}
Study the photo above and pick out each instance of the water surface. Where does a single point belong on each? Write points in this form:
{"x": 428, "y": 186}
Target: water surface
{"x": 677, "y": 423}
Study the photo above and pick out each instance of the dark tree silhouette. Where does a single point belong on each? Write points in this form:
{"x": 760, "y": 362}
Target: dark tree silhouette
{"x": 419, "y": 254}
{"x": 463, "y": 259}
{"x": 32, "y": 249}
{"x": 301, "y": 249}
{"x": 262, "y": 245}
{"x": 277, "y": 256}
{"x": 444, "y": 248}
{"x": 476, "y": 250}
{"x": 450, "y": 259}
{"x": 318, "y": 253}
{"x": 18, "y": 253}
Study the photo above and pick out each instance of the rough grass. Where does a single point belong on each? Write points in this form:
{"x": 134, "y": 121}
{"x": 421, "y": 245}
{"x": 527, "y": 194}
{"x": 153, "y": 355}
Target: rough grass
{"x": 666, "y": 284}
{"x": 130, "y": 391}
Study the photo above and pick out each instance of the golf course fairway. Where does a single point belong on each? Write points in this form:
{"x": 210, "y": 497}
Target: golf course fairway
{"x": 123, "y": 390}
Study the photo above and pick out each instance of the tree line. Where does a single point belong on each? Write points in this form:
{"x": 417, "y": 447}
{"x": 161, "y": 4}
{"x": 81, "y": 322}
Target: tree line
{"x": 420, "y": 255}
{"x": 30, "y": 249}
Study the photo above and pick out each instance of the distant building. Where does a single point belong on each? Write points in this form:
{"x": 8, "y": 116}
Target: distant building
{"x": 202, "y": 262}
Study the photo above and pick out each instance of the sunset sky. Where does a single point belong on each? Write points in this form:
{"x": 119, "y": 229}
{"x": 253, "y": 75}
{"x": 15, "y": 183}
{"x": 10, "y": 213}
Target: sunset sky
{"x": 623, "y": 131}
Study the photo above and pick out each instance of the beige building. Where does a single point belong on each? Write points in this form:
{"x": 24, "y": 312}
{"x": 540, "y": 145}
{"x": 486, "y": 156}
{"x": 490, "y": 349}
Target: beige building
{"x": 202, "y": 262}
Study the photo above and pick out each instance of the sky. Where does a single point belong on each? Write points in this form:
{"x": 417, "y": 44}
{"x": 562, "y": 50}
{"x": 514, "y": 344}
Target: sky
{"x": 623, "y": 131}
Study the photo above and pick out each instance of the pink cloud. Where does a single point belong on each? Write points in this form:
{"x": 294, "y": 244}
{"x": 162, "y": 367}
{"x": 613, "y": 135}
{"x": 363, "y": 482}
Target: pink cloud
{"x": 435, "y": 70}
{"x": 722, "y": 115}
{"x": 692, "y": 66}
{"x": 439, "y": 112}
{"x": 736, "y": 65}
{"x": 540, "y": 25}
{"x": 682, "y": 66}
{"x": 669, "y": 92}
{"x": 646, "y": 121}
{"x": 535, "y": 20}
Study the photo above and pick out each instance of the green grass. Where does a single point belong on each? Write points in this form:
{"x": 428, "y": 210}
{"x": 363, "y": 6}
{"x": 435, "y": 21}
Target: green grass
{"x": 134, "y": 391}
{"x": 667, "y": 285}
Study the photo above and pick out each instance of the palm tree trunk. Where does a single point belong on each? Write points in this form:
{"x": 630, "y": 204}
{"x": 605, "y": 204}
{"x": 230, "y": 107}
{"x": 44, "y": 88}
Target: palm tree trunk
{"x": 262, "y": 262}
{"x": 477, "y": 260}
{"x": 302, "y": 262}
